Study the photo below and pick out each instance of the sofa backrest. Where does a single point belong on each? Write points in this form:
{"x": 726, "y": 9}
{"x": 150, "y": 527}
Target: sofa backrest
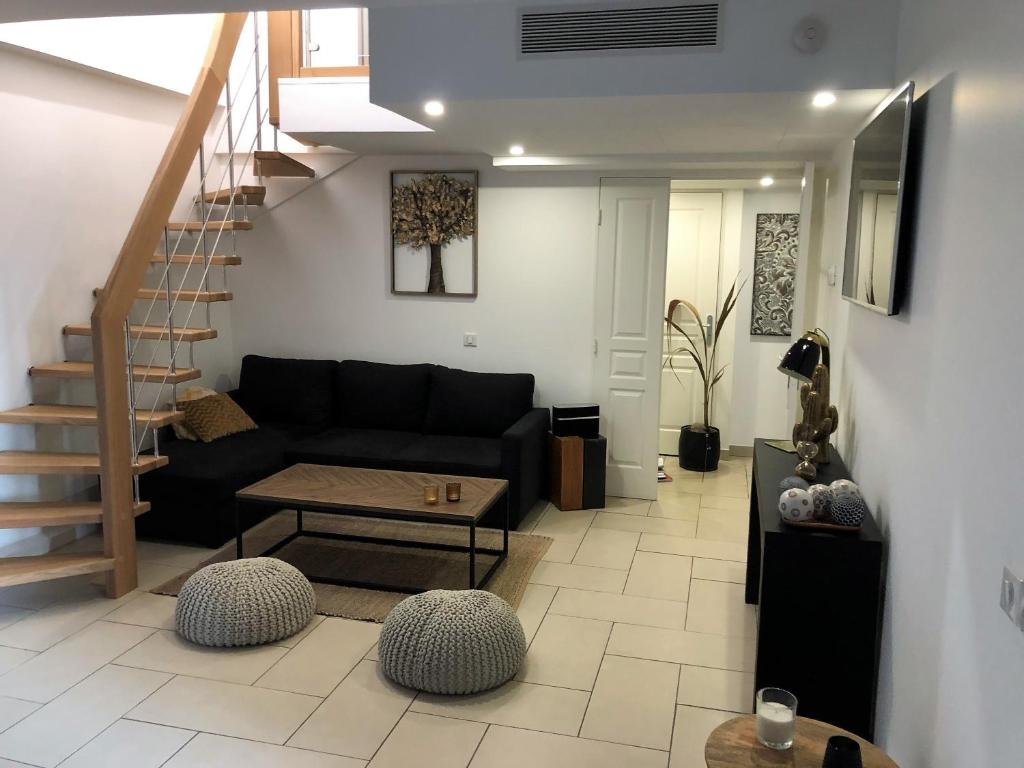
{"x": 476, "y": 404}
{"x": 274, "y": 389}
{"x": 382, "y": 396}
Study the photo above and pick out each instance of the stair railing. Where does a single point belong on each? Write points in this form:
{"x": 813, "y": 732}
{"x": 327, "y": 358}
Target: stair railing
{"x": 111, "y": 332}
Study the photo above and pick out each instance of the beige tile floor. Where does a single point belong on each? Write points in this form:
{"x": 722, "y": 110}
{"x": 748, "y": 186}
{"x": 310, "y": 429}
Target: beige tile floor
{"x": 640, "y": 645}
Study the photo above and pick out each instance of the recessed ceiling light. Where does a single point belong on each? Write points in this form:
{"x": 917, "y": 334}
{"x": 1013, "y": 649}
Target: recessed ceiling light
{"x": 823, "y": 99}
{"x": 767, "y": 181}
{"x": 516, "y": 149}
{"x": 434, "y": 108}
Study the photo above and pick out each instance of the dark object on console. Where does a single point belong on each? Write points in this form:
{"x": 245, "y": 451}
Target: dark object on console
{"x": 814, "y": 584}
{"x": 582, "y": 420}
{"x": 594, "y": 461}
{"x": 842, "y": 752}
{"x": 419, "y": 418}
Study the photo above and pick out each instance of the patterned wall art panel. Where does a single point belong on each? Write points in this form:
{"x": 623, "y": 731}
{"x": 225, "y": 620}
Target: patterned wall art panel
{"x": 776, "y": 243}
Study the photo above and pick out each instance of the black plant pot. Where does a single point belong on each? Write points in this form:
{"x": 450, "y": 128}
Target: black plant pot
{"x": 699, "y": 451}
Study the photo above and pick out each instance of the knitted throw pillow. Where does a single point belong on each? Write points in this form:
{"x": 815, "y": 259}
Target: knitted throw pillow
{"x": 181, "y": 430}
{"x": 215, "y": 416}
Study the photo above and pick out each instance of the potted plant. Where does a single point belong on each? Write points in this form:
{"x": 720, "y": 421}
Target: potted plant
{"x": 700, "y": 444}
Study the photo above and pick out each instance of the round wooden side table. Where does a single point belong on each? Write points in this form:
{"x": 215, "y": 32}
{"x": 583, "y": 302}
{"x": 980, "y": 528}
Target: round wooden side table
{"x": 734, "y": 745}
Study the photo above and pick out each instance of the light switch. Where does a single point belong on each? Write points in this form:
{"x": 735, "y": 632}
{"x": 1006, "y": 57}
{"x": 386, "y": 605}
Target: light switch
{"x": 469, "y": 339}
{"x": 1011, "y": 598}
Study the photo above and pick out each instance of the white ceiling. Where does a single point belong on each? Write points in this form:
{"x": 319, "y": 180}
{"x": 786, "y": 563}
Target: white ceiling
{"x": 734, "y": 125}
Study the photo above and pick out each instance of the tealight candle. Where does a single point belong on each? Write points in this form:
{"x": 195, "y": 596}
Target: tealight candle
{"x": 776, "y": 718}
{"x": 431, "y": 494}
{"x": 453, "y": 491}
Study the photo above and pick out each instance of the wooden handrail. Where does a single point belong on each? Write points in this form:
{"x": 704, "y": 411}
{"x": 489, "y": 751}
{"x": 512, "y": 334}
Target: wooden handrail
{"x": 115, "y": 301}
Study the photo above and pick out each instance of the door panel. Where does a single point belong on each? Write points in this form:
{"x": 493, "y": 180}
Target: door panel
{"x": 628, "y": 329}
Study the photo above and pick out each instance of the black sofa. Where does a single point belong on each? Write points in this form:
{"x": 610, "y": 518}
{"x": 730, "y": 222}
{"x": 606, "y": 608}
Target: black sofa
{"x": 423, "y": 418}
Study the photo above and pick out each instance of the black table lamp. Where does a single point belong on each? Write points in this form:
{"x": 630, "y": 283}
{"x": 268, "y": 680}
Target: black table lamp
{"x": 807, "y": 361}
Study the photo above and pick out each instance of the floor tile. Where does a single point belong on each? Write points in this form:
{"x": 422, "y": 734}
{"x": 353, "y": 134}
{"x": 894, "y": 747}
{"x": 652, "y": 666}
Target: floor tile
{"x": 716, "y": 688}
{"x": 664, "y": 525}
{"x": 228, "y": 709}
{"x": 41, "y": 594}
{"x": 566, "y": 652}
{"x": 357, "y": 717}
{"x": 731, "y": 487}
{"x": 608, "y": 548}
{"x": 429, "y": 742}
{"x": 719, "y": 607}
{"x": 146, "y": 610}
{"x": 514, "y": 748}
{"x": 13, "y": 657}
{"x": 627, "y": 609}
{"x": 176, "y": 555}
{"x": 50, "y": 625}
{"x": 152, "y": 575}
{"x": 9, "y": 615}
{"x": 298, "y": 637}
{"x": 579, "y": 577}
{"x": 676, "y": 545}
{"x": 129, "y": 743}
{"x": 624, "y": 506}
{"x": 520, "y": 705}
{"x": 533, "y": 607}
{"x": 633, "y": 703}
{"x": 56, "y": 730}
{"x": 49, "y": 674}
{"x": 207, "y": 750}
{"x": 374, "y": 653}
{"x": 723, "y": 525}
{"x": 719, "y": 570}
{"x": 677, "y": 506}
{"x": 710, "y": 501}
{"x": 318, "y": 663}
{"x": 529, "y": 521}
{"x": 567, "y": 528}
{"x": 666, "y": 577}
{"x": 691, "y": 731}
{"x": 694, "y": 648}
{"x": 166, "y": 651}
{"x": 13, "y": 710}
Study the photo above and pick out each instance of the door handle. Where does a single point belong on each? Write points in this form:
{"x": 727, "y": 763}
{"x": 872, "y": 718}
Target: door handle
{"x": 709, "y": 327}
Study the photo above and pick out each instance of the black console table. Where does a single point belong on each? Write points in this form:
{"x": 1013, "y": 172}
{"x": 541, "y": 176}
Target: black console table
{"x": 820, "y": 602}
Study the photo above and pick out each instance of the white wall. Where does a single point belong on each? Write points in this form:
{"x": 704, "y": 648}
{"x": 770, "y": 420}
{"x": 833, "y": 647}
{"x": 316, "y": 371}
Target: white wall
{"x": 760, "y": 393}
{"x": 317, "y": 278}
{"x": 79, "y": 150}
{"x": 930, "y": 405}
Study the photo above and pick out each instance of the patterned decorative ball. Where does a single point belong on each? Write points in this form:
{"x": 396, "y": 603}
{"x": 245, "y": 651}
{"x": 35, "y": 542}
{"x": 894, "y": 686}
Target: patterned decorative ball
{"x": 822, "y": 497}
{"x": 244, "y": 602}
{"x": 793, "y": 482}
{"x": 795, "y": 505}
{"x": 845, "y": 488}
{"x": 849, "y": 509}
{"x": 451, "y": 641}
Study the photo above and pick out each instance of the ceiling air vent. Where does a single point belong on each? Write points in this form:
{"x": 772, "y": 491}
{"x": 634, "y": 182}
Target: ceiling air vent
{"x": 618, "y": 28}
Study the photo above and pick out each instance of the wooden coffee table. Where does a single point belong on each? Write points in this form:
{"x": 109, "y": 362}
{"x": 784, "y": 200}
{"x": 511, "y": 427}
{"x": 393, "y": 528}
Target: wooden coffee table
{"x": 381, "y": 494}
{"x": 734, "y": 744}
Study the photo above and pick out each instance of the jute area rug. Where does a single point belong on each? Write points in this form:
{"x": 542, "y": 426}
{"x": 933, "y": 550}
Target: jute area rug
{"x": 422, "y": 568}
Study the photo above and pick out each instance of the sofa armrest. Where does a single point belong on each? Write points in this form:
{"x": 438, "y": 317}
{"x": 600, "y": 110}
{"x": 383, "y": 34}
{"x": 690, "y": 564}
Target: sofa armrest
{"x": 524, "y": 461}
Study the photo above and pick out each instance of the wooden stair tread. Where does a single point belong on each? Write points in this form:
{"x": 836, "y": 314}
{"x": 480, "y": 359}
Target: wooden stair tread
{"x": 155, "y": 332}
{"x": 188, "y": 258}
{"x": 47, "y": 463}
{"x": 22, "y": 570}
{"x": 182, "y": 295}
{"x": 244, "y": 194}
{"x": 211, "y": 226}
{"x": 273, "y": 163}
{"x": 79, "y": 415}
{"x": 83, "y": 370}
{"x": 39, "y": 514}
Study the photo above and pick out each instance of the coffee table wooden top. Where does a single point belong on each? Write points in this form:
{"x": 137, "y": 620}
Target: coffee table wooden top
{"x": 375, "y": 491}
{"x": 734, "y": 745}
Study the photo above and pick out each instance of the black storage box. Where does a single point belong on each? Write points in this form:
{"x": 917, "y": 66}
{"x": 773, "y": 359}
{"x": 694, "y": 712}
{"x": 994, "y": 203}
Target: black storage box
{"x": 578, "y": 420}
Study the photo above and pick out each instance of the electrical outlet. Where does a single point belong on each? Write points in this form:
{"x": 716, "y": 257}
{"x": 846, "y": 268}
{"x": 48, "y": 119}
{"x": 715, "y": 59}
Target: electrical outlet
{"x": 1011, "y": 598}
{"x": 469, "y": 339}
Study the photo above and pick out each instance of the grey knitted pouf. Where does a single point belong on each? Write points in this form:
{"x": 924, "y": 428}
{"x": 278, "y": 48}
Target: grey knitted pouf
{"x": 244, "y": 602}
{"x": 447, "y": 641}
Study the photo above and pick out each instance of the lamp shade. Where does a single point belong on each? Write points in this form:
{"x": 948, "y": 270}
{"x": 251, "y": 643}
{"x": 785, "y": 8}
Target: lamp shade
{"x": 803, "y": 357}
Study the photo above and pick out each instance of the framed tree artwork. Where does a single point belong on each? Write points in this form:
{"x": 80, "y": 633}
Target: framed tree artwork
{"x": 433, "y": 233}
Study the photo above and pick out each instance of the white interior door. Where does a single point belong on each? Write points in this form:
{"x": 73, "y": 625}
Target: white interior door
{"x": 628, "y": 313}
{"x": 691, "y": 273}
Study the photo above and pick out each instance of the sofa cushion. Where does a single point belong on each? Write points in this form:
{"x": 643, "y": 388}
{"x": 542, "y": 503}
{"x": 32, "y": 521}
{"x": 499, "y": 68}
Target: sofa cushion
{"x": 289, "y": 391}
{"x": 370, "y": 448}
{"x": 381, "y": 396}
{"x": 476, "y": 404}
{"x": 452, "y": 455}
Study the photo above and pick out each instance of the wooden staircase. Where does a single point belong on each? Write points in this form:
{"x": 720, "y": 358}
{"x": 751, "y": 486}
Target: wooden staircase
{"x": 116, "y": 417}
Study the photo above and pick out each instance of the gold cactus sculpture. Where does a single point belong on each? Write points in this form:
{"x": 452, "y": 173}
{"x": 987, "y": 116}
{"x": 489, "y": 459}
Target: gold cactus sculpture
{"x": 820, "y": 418}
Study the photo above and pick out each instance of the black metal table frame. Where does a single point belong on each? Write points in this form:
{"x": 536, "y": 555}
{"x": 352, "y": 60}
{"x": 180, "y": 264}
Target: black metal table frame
{"x": 383, "y": 514}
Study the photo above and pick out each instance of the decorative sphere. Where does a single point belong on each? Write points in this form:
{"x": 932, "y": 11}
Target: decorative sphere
{"x": 849, "y": 509}
{"x": 795, "y": 505}
{"x": 793, "y": 482}
{"x": 822, "y": 498}
{"x": 845, "y": 488}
